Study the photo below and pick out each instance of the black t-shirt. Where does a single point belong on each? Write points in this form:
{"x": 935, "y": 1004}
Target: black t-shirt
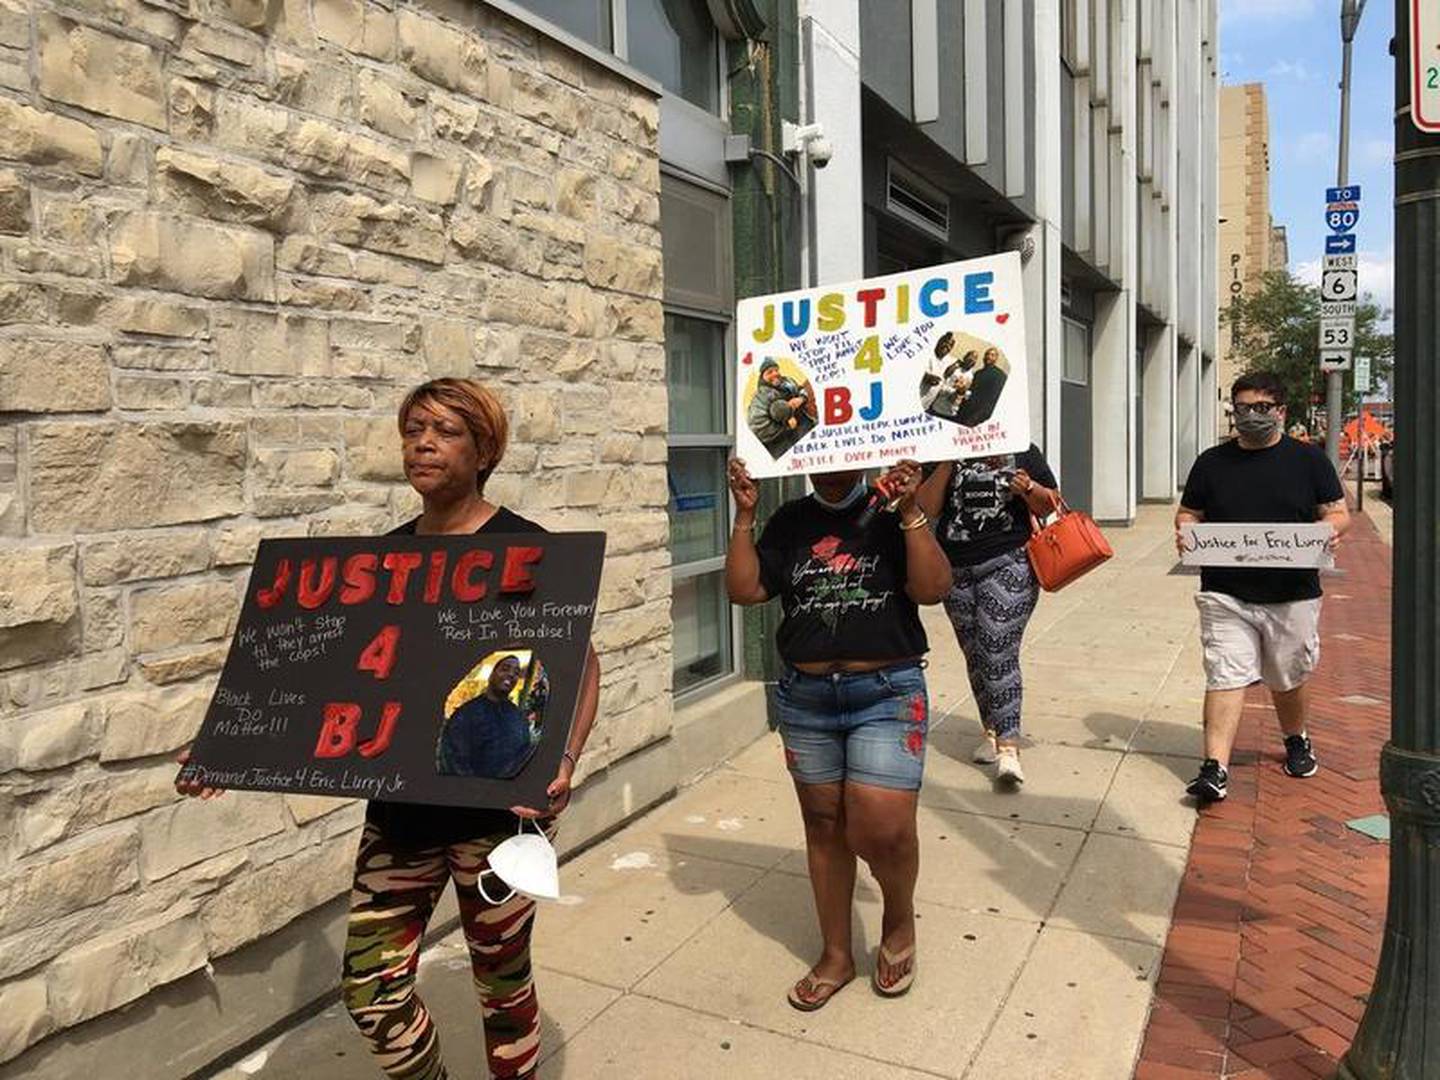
{"x": 418, "y": 824}
{"x": 841, "y": 584}
{"x": 982, "y": 518}
{"x": 1284, "y": 483}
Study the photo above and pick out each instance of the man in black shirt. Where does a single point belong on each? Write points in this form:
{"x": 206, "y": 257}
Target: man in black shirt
{"x": 1258, "y": 625}
{"x": 488, "y": 735}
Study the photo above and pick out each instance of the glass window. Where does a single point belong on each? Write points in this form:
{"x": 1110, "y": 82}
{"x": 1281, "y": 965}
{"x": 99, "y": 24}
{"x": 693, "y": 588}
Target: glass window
{"x": 701, "y": 614}
{"x": 695, "y": 358}
{"x": 588, "y": 20}
{"x": 1076, "y": 342}
{"x": 697, "y": 505}
{"x": 675, "y": 41}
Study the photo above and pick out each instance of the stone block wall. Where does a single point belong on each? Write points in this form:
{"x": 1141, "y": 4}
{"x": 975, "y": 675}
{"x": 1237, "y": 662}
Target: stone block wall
{"x": 233, "y": 233}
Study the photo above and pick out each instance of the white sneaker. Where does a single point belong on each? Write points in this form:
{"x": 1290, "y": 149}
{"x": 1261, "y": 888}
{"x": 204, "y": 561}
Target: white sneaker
{"x": 1007, "y": 766}
{"x": 984, "y": 751}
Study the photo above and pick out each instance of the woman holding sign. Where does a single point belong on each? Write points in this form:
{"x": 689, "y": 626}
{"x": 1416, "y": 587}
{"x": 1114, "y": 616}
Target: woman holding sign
{"x": 984, "y": 507}
{"x": 854, "y": 713}
{"x": 453, "y": 434}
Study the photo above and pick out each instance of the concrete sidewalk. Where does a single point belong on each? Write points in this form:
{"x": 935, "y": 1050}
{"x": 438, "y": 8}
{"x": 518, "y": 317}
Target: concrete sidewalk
{"x": 1042, "y": 913}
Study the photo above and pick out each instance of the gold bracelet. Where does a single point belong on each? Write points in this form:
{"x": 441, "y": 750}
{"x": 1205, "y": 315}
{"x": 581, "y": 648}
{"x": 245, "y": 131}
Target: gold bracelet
{"x": 919, "y": 524}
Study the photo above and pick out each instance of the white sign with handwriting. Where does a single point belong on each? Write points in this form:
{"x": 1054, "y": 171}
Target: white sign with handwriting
{"x": 1294, "y": 547}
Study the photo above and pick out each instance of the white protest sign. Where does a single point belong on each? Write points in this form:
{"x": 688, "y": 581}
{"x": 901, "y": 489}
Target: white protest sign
{"x": 928, "y": 365}
{"x": 1262, "y": 544}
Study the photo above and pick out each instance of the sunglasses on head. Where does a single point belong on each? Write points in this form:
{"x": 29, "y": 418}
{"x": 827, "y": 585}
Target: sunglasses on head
{"x": 1264, "y": 408}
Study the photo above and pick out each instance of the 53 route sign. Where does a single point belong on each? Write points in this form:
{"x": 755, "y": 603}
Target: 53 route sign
{"x": 1425, "y": 64}
{"x": 1337, "y": 333}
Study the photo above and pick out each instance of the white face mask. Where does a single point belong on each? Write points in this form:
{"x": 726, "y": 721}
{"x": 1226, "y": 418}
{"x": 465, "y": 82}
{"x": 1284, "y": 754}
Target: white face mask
{"x": 526, "y": 862}
{"x": 856, "y": 494}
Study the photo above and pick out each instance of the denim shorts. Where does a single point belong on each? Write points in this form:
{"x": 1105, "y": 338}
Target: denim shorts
{"x": 866, "y": 727}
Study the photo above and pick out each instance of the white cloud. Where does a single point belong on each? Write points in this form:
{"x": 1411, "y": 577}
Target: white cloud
{"x": 1375, "y": 153}
{"x": 1286, "y": 69}
{"x": 1232, "y": 11}
{"x": 1312, "y": 148}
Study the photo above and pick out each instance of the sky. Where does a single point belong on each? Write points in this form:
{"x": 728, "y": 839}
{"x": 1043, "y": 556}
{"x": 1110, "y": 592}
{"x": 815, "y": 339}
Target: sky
{"x": 1293, "y": 47}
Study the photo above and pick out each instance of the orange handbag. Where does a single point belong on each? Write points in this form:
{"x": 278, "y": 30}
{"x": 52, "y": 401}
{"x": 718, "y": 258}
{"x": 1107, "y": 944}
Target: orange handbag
{"x": 1068, "y": 548}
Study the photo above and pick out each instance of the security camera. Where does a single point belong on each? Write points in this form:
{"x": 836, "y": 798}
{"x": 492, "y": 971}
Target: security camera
{"x": 807, "y": 139}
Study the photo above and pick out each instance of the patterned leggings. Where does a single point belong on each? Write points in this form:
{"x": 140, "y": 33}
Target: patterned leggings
{"x": 989, "y": 606}
{"x": 396, "y": 889}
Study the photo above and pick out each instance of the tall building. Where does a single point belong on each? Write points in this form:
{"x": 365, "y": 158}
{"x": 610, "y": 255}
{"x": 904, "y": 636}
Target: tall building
{"x": 1247, "y": 233}
{"x": 1082, "y": 134}
{"x": 1279, "y": 247}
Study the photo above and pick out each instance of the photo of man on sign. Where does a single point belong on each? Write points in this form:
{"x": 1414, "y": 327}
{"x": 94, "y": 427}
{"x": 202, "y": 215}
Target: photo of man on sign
{"x": 926, "y": 365}
{"x": 494, "y": 732}
{"x": 781, "y": 407}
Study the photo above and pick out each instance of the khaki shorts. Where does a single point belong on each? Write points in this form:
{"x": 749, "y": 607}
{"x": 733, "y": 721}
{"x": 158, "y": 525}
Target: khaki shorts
{"x": 1245, "y": 643}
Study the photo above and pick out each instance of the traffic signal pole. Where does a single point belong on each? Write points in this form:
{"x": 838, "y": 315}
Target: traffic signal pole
{"x": 1350, "y": 12}
{"x": 1399, "y": 1035}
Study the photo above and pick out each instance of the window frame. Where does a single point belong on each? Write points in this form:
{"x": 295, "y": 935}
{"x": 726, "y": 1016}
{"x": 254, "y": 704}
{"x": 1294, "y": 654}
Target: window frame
{"x": 1066, "y": 321}
{"x": 724, "y": 442}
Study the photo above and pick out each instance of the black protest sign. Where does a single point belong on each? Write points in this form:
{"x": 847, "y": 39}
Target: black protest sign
{"x": 428, "y": 669}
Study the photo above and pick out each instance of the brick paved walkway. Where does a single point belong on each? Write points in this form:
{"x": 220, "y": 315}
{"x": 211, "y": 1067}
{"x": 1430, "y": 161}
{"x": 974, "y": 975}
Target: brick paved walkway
{"x": 1277, "y": 925}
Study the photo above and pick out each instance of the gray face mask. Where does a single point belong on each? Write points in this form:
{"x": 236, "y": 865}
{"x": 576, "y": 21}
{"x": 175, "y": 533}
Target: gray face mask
{"x": 1257, "y": 427}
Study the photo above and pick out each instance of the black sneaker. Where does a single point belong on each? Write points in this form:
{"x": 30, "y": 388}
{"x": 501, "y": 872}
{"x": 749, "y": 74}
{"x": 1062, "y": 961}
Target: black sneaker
{"x": 1299, "y": 758}
{"x": 1213, "y": 783}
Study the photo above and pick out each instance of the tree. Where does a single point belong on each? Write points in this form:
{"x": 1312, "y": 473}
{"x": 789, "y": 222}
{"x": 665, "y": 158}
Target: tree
{"x": 1276, "y": 328}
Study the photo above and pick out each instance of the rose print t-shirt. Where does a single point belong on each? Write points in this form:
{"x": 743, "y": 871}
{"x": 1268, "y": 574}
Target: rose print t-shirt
{"x": 841, "y": 584}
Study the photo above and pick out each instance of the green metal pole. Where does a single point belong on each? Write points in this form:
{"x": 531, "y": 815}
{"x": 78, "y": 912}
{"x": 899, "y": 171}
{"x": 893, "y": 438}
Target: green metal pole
{"x": 1399, "y": 1036}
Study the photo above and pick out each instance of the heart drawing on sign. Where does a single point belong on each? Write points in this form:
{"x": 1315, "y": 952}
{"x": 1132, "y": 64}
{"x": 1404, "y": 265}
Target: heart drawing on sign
{"x": 1002, "y": 319}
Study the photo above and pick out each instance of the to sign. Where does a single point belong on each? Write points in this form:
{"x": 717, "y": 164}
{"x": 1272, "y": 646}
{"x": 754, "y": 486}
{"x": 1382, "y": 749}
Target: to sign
{"x": 1337, "y": 333}
{"x": 1343, "y": 194}
{"x": 1337, "y": 285}
{"x": 1425, "y": 64}
{"x": 1342, "y": 216}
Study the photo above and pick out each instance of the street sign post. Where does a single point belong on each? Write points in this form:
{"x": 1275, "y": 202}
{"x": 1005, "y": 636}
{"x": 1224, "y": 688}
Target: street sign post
{"x": 1425, "y": 64}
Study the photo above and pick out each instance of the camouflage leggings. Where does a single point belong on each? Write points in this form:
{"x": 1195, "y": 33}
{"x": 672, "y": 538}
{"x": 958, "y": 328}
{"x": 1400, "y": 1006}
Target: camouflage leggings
{"x": 396, "y": 889}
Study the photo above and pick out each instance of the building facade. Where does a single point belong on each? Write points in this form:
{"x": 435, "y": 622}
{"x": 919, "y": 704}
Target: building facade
{"x": 232, "y": 237}
{"x": 1250, "y": 243}
{"x": 1082, "y": 134}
